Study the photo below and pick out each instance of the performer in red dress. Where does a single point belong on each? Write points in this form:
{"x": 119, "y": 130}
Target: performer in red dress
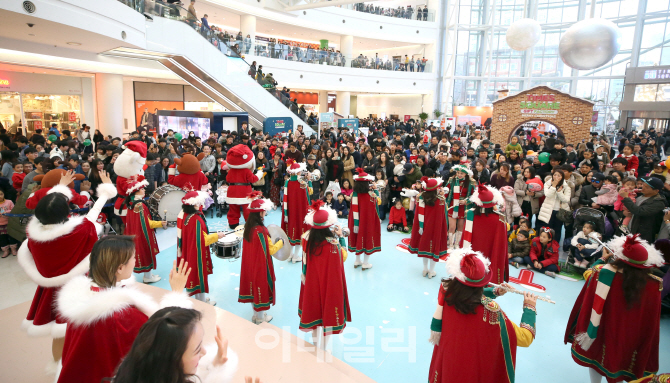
{"x": 241, "y": 163}
{"x": 297, "y": 190}
{"x": 486, "y": 231}
{"x": 128, "y": 166}
{"x": 324, "y": 301}
{"x": 614, "y": 326}
{"x": 467, "y": 348}
{"x": 139, "y": 225}
{"x": 257, "y": 276}
{"x": 104, "y": 317}
{"x": 193, "y": 240}
{"x": 56, "y": 250}
{"x": 429, "y": 233}
{"x": 459, "y": 188}
{"x": 364, "y": 222}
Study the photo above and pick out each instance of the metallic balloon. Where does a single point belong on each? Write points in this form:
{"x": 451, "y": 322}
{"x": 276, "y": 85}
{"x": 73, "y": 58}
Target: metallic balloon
{"x": 590, "y": 44}
{"x": 523, "y": 34}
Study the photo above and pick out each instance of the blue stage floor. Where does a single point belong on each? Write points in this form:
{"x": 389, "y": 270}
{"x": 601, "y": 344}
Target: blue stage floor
{"x": 391, "y": 308}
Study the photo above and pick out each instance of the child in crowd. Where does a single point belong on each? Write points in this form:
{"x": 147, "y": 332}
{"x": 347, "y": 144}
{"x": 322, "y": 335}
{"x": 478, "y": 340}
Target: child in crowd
{"x": 607, "y": 195}
{"x": 581, "y": 247}
{"x": 18, "y": 176}
{"x": 340, "y": 206}
{"x": 630, "y": 187}
{"x": 6, "y": 242}
{"x": 543, "y": 255}
{"x": 328, "y": 199}
{"x": 384, "y": 191}
{"x": 518, "y": 248}
{"x": 660, "y": 169}
{"x": 397, "y": 217}
{"x": 524, "y": 225}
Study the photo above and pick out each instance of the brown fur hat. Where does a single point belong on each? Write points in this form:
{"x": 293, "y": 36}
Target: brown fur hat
{"x": 52, "y": 178}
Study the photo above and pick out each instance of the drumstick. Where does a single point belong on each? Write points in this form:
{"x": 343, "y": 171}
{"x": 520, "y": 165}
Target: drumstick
{"x": 165, "y": 214}
{"x": 515, "y": 291}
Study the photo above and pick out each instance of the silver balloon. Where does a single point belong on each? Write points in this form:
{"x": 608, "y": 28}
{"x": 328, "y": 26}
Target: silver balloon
{"x": 590, "y": 44}
{"x": 523, "y": 34}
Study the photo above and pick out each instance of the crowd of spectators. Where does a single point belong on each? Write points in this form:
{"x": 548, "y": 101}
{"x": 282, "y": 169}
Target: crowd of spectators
{"x": 400, "y": 12}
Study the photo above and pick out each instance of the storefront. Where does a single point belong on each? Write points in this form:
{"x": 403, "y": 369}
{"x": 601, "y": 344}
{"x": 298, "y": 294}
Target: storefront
{"x": 646, "y": 99}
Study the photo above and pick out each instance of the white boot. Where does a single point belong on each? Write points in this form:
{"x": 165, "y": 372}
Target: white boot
{"x": 297, "y": 254}
{"x": 357, "y": 262}
{"x": 450, "y": 241}
{"x": 425, "y": 267}
{"x": 432, "y": 272}
{"x": 151, "y": 278}
{"x": 261, "y": 317}
{"x": 366, "y": 264}
{"x": 457, "y": 239}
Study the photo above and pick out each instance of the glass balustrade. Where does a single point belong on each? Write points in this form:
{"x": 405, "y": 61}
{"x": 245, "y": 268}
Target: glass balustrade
{"x": 409, "y": 13}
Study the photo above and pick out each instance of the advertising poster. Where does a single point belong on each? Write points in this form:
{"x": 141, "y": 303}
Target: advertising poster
{"x": 277, "y": 125}
{"x": 350, "y": 123}
{"x": 146, "y": 112}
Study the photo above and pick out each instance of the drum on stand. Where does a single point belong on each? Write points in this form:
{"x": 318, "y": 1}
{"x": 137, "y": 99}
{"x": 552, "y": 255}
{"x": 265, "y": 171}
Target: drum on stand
{"x": 165, "y": 202}
{"x": 228, "y": 247}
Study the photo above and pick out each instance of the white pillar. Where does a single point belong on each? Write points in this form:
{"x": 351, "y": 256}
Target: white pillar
{"x": 323, "y": 101}
{"x": 347, "y": 48}
{"x": 342, "y": 103}
{"x": 248, "y": 27}
{"x": 109, "y": 104}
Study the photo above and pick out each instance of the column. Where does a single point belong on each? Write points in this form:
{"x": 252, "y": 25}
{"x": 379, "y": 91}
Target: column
{"x": 347, "y": 48}
{"x": 343, "y": 103}
{"x": 323, "y": 101}
{"x": 109, "y": 104}
{"x": 248, "y": 27}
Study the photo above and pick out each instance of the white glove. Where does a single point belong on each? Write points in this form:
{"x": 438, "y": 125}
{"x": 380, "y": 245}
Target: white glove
{"x": 259, "y": 174}
{"x": 409, "y": 193}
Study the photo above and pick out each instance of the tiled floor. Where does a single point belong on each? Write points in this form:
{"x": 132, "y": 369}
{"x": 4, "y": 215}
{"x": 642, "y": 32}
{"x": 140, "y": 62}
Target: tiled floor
{"x": 391, "y": 304}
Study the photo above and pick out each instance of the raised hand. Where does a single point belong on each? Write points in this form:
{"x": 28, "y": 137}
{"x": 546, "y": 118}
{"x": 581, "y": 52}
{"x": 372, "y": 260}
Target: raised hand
{"x": 222, "y": 353}
{"x": 179, "y": 276}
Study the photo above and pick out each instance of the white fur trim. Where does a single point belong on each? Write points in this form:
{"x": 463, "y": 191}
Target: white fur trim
{"x": 44, "y": 233}
{"x": 332, "y": 216}
{"x": 81, "y": 306}
{"x": 266, "y": 204}
{"x": 52, "y": 329}
{"x": 106, "y": 191}
{"x": 85, "y": 194}
{"x": 463, "y": 169}
{"x": 455, "y": 257}
{"x": 209, "y": 373}
{"x": 137, "y": 186}
{"x": 365, "y": 178}
{"x": 654, "y": 257}
{"x": 497, "y": 196}
{"x": 196, "y": 201}
{"x": 237, "y": 201}
{"x": 301, "y": 167}
{"x": 26, "y": 261}
{"x": 247, "y": 165}
{"x": 438, "y": 179}
{"x": 54, "y": 367}
{"x": 62, "y": 189}
{"x": 176, "y": 299}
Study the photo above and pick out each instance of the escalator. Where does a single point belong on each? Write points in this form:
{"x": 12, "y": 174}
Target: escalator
{"x": 206, "y": 62}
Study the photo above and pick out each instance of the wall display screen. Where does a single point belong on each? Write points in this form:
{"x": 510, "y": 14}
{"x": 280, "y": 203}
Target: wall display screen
{"x": 657, "y": 74}
{"x": 146, "y": 112}
{"x": 184, "y": 122}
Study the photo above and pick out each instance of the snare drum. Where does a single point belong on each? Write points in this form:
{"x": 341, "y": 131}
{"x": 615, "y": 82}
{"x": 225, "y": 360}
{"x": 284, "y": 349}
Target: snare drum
{"x": 228, "y": 247}
{"x": 166, "y": 197}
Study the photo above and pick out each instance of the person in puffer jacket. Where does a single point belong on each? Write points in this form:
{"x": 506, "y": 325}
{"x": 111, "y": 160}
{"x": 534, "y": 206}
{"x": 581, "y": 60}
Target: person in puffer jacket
{"x": 512, "y": 208}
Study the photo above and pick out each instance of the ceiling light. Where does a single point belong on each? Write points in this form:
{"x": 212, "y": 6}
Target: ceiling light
{"x": 73, "y": 43}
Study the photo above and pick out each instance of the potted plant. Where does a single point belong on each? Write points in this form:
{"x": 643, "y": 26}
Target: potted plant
{"x": 423, "y": 116}
{"x": 437, "y": 113}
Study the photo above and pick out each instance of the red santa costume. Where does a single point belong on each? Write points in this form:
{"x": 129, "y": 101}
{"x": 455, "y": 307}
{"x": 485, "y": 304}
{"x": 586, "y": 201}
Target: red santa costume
{"x": 128, "y": 165}
{"x": 297, "y": 190}
{"x": 324, "y": 301}
{"x": 77, "y": 199}
{"x": 190, "y": 175}
{"x": 257, "y": 275}
{"x": 429, "y": 233}
{"x": 457, "y": 337}
{"x": 632, "y": 165}
{"x": 364, "y": 222}
{"x": 241, "y": 162}
{"x": 193, "y": 243}
{"x": 490, "y": 238}
{"x": 102, "y": 326}
{"x": 54, "y": 254}
{"x": 613, "y": 338}
{"x": 140, "y": 225}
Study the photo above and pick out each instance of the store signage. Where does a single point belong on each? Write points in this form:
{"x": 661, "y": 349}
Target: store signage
{"x": 4, "y": 82}
{"x": 72, "y": 116}
{"x": 37, "y": 124}
{"x": 350, "y": 123}
{"x": 326, "y": 117}
{"x": 540, "y": 105}
{"x": 657, "y": 74}
{"x": 277, "y": 125}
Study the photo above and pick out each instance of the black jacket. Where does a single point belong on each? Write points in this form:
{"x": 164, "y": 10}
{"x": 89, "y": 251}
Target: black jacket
{"x": 588, "y": 192}
{"x": 647, "y": 217}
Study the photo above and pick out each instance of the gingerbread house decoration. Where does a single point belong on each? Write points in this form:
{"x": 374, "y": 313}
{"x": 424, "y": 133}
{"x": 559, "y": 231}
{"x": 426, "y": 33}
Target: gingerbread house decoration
{"x": 571, "y": 115}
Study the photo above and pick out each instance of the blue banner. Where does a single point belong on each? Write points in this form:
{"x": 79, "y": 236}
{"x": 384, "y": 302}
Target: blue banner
{"x": 275, "y": 125}
{"x": 351, "y": 123}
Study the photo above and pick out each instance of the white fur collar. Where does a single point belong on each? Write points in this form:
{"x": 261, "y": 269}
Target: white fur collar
{"x": 45, "y": 233}
{"x": 81, "y": 306}
{"x": 27, "y": 262}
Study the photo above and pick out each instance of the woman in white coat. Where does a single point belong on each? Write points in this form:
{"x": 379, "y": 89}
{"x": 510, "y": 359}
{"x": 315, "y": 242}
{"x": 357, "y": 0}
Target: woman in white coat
{"x": 557, "y": 196}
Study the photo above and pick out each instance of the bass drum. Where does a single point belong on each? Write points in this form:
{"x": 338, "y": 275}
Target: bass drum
{"x": 165, "y": 203}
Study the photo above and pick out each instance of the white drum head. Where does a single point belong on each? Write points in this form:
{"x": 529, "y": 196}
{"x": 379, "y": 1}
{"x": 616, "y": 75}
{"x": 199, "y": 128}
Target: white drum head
{"x": 172, "y": 203}
{"x": 229, "y": 239}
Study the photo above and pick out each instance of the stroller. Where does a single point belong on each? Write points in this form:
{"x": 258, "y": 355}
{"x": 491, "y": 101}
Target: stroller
{"x": 583, "y": 215}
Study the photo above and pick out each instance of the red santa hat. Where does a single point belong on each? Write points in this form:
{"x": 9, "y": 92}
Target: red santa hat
{"x": 258, "y": 204}
{"x": 194, "y": 198}
{"x": 363, "y": 176}
{"x": 137, "y": 147}
{"x": 295, "y": 167}
{"x": 636, "y": 252}
{"x": 134, "y": 186}
{"x": 486, "y": 196}
{"x": 320, "y": 216}
{"x": 240, "y": 157}
{"x": 471, "y": 268}
{"x": 429, "y": 184}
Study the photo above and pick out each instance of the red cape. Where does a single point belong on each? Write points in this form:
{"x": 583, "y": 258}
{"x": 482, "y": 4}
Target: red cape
{"x": 146, "y": 247}
{"x": 77, "y": 199}
{"x": 368, "y": 239}
{"x": 627, "y": 343}
{"x": 191, "y": 247}
{"x": 189, "y": 182}
{"x": 324, "y": 301}
{"x": 433, "y": 242}
{"x": 257, "y": 277}
{"x": 297, "y": 210}
{"x": 489, "y": 235}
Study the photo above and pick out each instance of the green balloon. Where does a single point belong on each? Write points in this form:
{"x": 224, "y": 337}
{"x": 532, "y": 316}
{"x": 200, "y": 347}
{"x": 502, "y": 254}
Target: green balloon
{"x": 544, "y": 157}
{"x": 87, "y": 142}
{"x": 178, "y": 136}
{"x": 52, "y": 138}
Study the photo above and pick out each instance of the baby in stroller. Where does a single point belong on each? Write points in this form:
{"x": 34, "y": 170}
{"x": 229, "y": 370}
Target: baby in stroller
{"x": 581, "y": 252}
{"x": 581, "y": 247}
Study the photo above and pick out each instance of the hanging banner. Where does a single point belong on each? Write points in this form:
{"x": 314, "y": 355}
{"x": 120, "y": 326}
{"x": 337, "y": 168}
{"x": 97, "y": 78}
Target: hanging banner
{"x": 350, "y": 123}
{"x": 277, "y": 125}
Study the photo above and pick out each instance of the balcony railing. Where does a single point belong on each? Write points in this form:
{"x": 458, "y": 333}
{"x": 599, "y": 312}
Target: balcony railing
{"x": 399, "y": 13}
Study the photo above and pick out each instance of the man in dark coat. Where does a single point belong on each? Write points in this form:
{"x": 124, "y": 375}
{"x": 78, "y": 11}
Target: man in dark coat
{"x": 647, "y": 209}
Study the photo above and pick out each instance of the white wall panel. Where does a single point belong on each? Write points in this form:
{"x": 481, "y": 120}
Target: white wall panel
{"x": 388, "y": 103}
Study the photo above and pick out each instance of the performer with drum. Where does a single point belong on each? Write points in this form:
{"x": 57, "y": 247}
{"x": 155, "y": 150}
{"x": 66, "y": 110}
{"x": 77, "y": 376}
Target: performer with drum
{"x": 429, "y": 233}
{"x": 614, "y": 324}
{"x": 257, "y": 276}
{"x": 324, "y": 302}
{"x": 297, "y": 190}
{"x": 193, "y": 243}
{"x": 364, "y": 223}
{"x": 467, "y": 348}
{"x": 140, "y": 225}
